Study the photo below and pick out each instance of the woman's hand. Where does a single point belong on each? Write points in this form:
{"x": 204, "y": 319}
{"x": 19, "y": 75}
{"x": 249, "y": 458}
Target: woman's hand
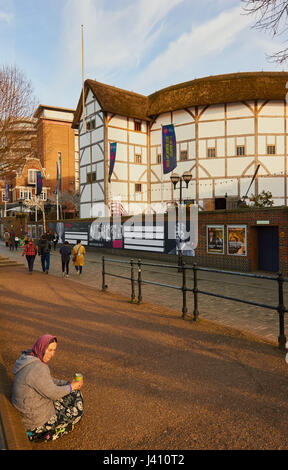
{"x": 76, "y": 384}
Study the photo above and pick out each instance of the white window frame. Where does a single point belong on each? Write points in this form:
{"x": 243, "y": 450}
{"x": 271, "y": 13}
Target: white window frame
{"x": 32, "y": 180}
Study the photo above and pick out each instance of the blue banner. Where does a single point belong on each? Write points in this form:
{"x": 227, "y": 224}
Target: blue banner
{"x": 169, "y": 148}
{"x": 113, "y": 147}
{"x": 7, "y": 194}
{"x": 57, "y": 178}
{"x": 38, "y": 183}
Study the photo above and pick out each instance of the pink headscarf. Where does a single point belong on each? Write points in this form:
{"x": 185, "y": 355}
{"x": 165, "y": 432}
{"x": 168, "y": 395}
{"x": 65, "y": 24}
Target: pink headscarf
{"x": 42, "y": 343}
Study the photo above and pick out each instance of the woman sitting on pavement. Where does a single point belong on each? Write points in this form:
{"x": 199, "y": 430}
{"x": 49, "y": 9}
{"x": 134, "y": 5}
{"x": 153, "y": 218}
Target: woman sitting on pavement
{"x": 30, "y": 251}
{"x": 49, "y": 407}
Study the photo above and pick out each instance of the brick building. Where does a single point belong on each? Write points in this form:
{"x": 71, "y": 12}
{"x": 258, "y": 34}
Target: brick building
{"x": 244, "y": 240}
{"x": 56, "y": 138}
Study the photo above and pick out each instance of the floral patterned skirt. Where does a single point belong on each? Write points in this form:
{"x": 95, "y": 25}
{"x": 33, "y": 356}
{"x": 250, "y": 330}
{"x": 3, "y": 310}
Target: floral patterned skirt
{"x": 69, "y": 411}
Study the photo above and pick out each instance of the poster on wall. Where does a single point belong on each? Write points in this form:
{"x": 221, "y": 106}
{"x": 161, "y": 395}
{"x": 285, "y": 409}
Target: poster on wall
{"x": 73, "y": 231}
{"x": 237, "y": 240}
{"x": 101, "y": 233}
{"x": 215, "y": 239}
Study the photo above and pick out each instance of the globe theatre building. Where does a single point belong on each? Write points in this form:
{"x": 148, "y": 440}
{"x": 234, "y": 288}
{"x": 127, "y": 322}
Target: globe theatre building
{"x": 226, "y": 126}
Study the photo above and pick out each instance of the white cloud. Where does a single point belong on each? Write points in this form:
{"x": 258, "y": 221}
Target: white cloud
{"x": 115, "y": 38}
{"x": 206, "y": 40}
{"x": 6, "y": 17}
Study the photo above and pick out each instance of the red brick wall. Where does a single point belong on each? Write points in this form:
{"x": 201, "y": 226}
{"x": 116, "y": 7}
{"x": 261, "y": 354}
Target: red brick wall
{"x": 277, "y": 217}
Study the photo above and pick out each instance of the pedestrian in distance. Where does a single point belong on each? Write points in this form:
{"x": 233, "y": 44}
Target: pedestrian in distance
{"x": 11, "y": 244}
{"x": 44, "y": 248}
{"x": 30, "y": 251}
{"x": 65, "y": 252}
{"x": 7, "y": 238}
{"x": 16, "y": 243}
{"x": 78, "y": 257}
{"x": 55, "y": 240}
{"x": 49, "y": 407}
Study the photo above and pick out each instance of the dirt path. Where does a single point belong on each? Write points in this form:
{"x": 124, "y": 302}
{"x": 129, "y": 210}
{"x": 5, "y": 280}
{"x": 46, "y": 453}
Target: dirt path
{"x": 152, "y": 380}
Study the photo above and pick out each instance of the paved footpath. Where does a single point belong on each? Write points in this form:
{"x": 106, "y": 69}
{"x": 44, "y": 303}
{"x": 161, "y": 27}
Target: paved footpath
{"x": 257, "y": 320}
{"x": 152, "y": 380}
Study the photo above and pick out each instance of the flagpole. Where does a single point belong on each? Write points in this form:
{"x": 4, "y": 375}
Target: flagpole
{"x": 162, "y": 160}
{"x": 83, "y": 98}
{"x": 57, "y": 190}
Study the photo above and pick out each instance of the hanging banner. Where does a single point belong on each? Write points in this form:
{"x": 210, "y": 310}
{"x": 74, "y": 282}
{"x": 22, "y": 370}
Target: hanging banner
{"x": 169, "y": 148}
{"x": 7, "y": 195}
{"x": 57, "y": 178}
{"x": 38, "y": 183}
{"x": 113, "y": 147}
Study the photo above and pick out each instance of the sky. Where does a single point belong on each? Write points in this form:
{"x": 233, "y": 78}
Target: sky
{"x": 138, "y": 45}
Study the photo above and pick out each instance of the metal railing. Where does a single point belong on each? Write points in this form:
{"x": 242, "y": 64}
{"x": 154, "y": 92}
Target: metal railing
{"x": 139, "y": 281}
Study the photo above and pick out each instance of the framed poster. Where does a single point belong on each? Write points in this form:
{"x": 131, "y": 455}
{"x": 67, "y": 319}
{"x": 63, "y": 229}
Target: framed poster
{"x": 237, "y": 240}
{"x": 215, "y": 239}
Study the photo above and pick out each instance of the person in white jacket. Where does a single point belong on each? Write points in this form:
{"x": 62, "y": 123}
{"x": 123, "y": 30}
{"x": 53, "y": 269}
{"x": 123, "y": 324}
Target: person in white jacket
{"x": 49, "y": 407}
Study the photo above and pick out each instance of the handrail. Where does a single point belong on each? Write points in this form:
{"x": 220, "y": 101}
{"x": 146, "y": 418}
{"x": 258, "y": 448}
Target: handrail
{"x": 280, "y": 309}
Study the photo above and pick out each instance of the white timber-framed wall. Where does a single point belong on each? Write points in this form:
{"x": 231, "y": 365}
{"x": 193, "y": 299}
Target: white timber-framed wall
{"x": 94, "y": 157}
{"x": 131, "y": 164}
{"x": 92, "y": 160}
{"x": 221, "y": 144}
{"x": 252, "y": 125}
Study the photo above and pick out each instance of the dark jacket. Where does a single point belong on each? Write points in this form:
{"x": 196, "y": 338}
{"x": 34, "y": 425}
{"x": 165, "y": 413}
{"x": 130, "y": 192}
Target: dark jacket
{"x": 44, "y": 246}
{"x": 65, "y": 252}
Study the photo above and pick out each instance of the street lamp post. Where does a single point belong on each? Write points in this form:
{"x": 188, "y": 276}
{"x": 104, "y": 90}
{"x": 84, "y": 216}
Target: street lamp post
{"x": 175, "y": 179}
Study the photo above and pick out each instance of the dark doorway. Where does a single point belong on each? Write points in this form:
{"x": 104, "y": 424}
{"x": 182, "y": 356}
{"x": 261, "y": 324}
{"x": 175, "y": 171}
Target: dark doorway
{"x": 220, "y": 203}
{"x": 268, "y": 249}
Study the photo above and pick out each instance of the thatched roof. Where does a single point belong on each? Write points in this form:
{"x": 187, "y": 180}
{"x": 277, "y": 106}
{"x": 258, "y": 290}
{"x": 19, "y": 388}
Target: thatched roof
{"x": 217, "y": 89}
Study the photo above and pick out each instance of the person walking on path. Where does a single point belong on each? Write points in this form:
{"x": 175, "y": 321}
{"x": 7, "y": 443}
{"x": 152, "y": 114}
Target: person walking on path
{"x": 55, "y": 240}
{"x": 78, "y": 257}
{"x": 49, "y": 407}
{"x": 44, "y": 247}
{"x": 16, "y": 243}
{"x": 65, "y": 252}
{"x": 11, "y": 244}
{"x": 30, "y": 251}
{"x": 7, "y": 238}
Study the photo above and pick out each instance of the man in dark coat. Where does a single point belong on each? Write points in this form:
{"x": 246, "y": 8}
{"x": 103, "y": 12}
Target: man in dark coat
{"x": 44, "y": 248}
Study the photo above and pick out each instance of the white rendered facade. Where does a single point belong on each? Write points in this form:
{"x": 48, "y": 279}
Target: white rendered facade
{"x": 221, "y": 144}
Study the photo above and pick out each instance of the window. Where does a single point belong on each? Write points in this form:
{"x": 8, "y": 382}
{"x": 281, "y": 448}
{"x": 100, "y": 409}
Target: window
{"x": 138, "y": 158}
{"x": 240, "y": 150}
{"x": 138, "y": 188}
{"x": 91, "y": 125}
{"x": 43, "y": 195}
{"x": 25, "y": 193}
{"x": 159, "y": 158}
{"x": 91, "y": 177}
{"x": 183, "y": 155}
{"x": 137, "y": 126}
{"x": 32, "y": 176}
{"x": 271, "y": 150}
{"x": 211, "y": 152}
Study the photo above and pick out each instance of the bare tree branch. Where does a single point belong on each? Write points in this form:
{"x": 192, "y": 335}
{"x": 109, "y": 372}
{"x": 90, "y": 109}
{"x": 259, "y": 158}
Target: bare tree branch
{"x": 17, "y": 127}
{"x": 271, "y": 16}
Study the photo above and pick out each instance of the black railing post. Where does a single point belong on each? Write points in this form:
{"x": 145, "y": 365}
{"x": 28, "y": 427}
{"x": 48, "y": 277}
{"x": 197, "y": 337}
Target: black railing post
{"x": 139, "y": 281}
{"x": 132, "y": 281}
{"x": 195, "y": 293}
{"x": 104, "y": 286}
{"x": 281, "y": 312}
{"x": 184, "y": 292}
{"x": 180, "y": 260}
